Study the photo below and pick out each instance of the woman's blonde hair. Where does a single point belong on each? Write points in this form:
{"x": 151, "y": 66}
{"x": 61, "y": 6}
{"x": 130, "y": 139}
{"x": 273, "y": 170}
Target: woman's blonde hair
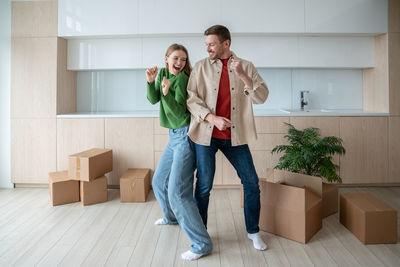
{"x": 188, "y": 68}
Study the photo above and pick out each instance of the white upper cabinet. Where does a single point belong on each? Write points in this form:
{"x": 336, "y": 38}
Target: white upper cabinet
{"x": 263, "y": 16}
{"x": 346, "y": 16}
{"x": 177, "y": 16}
{"x": 97, "y": 17}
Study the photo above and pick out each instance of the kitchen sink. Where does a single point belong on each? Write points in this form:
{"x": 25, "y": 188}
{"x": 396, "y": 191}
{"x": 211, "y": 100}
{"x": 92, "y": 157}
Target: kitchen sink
{"x": 305, "y": 110}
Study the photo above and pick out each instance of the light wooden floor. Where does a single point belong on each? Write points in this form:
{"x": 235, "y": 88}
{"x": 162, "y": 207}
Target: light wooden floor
{"x": 33, "y": 233}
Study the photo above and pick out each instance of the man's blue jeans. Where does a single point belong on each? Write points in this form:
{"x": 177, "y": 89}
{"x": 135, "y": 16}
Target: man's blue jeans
{"x": 241, "y": 159}
{"x": 173, "y": 188}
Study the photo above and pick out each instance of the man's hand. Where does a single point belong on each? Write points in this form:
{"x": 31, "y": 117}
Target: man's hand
{"x": 237, "y": 67}
{"x": 165, "y": 85}
{"x": 220, "y": 122}
{"x": 151, "y": 74}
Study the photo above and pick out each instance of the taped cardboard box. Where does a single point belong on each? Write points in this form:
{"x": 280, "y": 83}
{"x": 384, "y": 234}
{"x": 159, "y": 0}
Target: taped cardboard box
{"x": 368, "y": 218}
{"x": 94, "y": 192}
{"x": 289, "y": 205}
{"x": 90, "y": 164}
{"x": 62, "y": 189}
{"x": 135, "y": 185}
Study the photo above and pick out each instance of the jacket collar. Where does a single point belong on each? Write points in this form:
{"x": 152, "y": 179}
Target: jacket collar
{"x": 233, "y": 55}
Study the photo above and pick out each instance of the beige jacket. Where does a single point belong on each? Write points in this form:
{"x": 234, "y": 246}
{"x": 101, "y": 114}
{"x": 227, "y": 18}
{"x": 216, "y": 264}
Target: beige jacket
{"x": 203, "y": 89}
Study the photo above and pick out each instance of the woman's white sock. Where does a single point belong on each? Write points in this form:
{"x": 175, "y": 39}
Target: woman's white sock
{"x": 190, "y": 256}
{"x": 258, "y": 243}
{"x": 160, "y": 222}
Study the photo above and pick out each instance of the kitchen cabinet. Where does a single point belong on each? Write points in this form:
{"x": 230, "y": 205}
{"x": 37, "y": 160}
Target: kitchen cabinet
{"x": 346, "y": 16}
{"x": 33, "y": 150}
{"x": 98, "y": 17}
{"x": 131, "y": 140}
{"x": 366, "y": 142}
{"x": 394, "y": 150}
{"x": 76, "y": 135}
{"x": 254, "y": 16}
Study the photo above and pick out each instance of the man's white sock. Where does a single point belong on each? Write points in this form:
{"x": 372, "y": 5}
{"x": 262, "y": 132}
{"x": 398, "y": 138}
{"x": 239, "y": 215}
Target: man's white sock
{"x": 160, "y": 222}
{"x": 190, "y": 256}
{"x": 258, "y": 243}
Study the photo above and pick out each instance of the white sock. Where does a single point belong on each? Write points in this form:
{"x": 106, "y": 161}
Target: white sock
{"x": 190, "y": 256}
{"x": 258, "y": 243}
{"x": 160, "y": 222}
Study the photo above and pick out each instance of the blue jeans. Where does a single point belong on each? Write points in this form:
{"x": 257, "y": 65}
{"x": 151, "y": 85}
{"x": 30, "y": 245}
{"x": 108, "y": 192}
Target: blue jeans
{"x": 173, "y": 188}
{"x": 240, "y": 158}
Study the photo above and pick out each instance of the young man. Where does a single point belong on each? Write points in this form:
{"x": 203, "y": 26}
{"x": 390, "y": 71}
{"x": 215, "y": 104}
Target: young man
{"x": 221, "y": 91}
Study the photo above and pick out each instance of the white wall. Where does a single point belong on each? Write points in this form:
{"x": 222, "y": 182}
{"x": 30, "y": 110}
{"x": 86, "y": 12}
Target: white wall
{"x": 5, "y": 68}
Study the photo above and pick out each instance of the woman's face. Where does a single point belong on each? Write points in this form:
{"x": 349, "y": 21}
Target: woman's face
{"x": 176, "y": 61}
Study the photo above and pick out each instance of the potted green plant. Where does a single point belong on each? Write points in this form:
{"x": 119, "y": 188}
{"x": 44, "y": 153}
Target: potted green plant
{"x": 308, "y": 153}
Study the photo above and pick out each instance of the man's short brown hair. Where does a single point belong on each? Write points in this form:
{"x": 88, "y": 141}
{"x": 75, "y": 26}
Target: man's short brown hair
{"x": 221, "y": 31}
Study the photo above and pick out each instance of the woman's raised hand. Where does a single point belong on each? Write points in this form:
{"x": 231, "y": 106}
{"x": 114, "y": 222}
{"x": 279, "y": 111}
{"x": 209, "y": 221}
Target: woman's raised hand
{"x": 151, "y": 74}
{"x": 165, "y": 85}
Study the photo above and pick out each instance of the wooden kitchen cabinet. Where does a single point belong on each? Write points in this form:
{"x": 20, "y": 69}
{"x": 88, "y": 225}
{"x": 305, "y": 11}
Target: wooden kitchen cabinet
{"x": 394, "y": 150}
{"x": 366, "y": 143}
{"x": 131, "y": 140}
{"x": 76, "y": 135}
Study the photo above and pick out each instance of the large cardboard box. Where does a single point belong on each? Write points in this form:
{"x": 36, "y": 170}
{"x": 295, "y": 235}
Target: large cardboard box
{"x": 62, "y": 189}
{"x": 328, "y": 192}
{"x": 94, "y": 192}
{"x": 289, "y": 205}
{"x": 135, "y": 185}
{"x": 368, "y": 218}
{"x": 90, "y": 164}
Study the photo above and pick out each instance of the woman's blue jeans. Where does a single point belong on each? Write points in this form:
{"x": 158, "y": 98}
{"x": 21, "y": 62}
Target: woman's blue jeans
{"x": 173, "y": 188}
{"x": 241, "y": 159}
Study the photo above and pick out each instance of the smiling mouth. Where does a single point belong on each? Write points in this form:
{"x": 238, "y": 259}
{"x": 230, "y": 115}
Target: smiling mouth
{"x": 177, "y": 68}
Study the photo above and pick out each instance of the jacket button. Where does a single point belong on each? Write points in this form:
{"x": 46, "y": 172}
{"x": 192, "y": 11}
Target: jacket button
{"x": 233, "y": 126}
{"x": 233, "y": 88}
{"x": 233, "y": 108}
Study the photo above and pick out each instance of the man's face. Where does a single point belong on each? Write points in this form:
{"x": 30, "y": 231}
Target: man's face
{"x": 214, "y": 47}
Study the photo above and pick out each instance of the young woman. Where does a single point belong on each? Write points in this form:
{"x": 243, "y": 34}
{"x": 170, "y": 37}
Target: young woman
{"x": 173, "y": 178}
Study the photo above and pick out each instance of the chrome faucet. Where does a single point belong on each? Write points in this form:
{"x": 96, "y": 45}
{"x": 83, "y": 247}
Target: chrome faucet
{"x": 303, "y": 99}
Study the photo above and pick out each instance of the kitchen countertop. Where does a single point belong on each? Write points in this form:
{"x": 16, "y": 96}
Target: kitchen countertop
{"x": 257, "y": 113}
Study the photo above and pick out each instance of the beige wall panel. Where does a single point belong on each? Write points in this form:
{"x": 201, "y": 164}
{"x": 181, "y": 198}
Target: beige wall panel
{"x": 34, "y": 19}
{"x": 160, "y": 142}
{"x": 271, "y": 124}
{"x": 394, "y": 70}
{"x": 158, "y": 129}
{"x": 131, "y": 140}
{"x": 366, "y": 143}
{"x": 66, "y": 81}
{"x": 33, "y": 77}
{"x": 33, "y": 150}
{"x": 76, "y": 135}
{"x": 375, "y": 80}
{"x": 267, "y": 141}
{"x": 393, "y": 16}
{"x": 394, "y": 150}
{"x": 218, "y": 177}
{"x": 229, "y": 175}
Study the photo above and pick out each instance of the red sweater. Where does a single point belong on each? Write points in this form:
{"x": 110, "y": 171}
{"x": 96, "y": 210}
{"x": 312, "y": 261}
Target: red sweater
{"x": 223, "y": 108}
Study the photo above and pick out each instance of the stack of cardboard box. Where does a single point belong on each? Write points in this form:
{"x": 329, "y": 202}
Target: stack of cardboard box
{"x": 85, "y": 175}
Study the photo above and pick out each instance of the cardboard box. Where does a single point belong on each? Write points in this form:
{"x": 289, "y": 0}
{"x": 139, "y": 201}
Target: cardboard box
{"x": 90, "y": 164}
{"x": 135, "y": 185}
{"x": 368, "y": 218}
{"x": 62, "y": 189}
{"x": 330, "y": 199}
{"x": 289, "y": 205}
{"x": 94, "y": 192}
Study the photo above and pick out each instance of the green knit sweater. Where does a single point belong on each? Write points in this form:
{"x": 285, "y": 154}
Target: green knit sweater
{"x": 173, "y": 112}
